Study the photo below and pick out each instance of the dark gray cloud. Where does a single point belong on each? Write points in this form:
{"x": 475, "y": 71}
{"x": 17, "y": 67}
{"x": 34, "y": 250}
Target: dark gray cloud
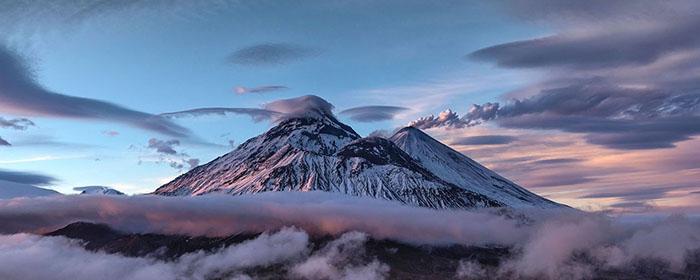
{"x": 447, "y": 118}
{"x": 4, "y": 142}
{"x": 193, "y": 162}
{"x": 29, "y": 178}
{"x": 630, "y": 78}
{"x": 598, "y": 98}
{"x": 605, "y": 49}
{"x": 373, "y": 113}
{"x": 613, "y": 133}
{"x": 18, "y": 124}
{"x": 609, "y": 116}
{"x": 485, "y": 140}
{"x": 268, "y": 54}
{"x": 261, "y": 89}
{"x": 21, "y": 95}
{"x": 561, "y": 179}
{"x": 484, "y": 112}
{"x": 163, "y": 146}
{"x": 170, "y": 156}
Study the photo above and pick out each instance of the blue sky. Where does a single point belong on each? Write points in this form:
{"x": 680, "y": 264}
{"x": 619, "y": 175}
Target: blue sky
{"x": 554, "y": 58}
{"x": 156, "y": 61}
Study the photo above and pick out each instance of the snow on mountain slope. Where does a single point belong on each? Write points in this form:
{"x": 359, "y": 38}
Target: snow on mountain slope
{"x": 310, "y": 150}
{"x": 284, "y": 158}
{"x": 98, "y": 190}
{"x": 10, "y": 190}
{"x": 460, "y": 170}
{"x": 319, "y": 153}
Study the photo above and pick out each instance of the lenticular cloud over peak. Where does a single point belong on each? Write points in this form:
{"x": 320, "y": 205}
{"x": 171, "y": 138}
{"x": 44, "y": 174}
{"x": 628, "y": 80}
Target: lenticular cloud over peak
{"x": 303, "y": 106}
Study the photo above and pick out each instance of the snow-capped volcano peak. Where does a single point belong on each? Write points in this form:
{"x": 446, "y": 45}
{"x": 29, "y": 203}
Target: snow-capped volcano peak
{"x": 319, "y": 133}
{"x": 316, "y": 152}
{"x": 460, "y": 170}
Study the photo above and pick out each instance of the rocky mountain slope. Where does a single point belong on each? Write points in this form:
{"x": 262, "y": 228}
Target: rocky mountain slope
{"x": 316, "y": 152}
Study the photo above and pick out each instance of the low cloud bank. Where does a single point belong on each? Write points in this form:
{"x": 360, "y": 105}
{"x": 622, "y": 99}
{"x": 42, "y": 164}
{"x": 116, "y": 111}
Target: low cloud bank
{"x": 219, "y": 215}
{"x": 546, "y": 245}
{"x": 62, "y": 258}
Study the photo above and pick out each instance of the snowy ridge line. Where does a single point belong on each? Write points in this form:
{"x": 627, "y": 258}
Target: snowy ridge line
{"x": 319, "y": 153}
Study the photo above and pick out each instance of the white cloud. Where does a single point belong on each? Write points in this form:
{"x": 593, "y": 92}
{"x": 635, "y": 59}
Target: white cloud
{"x": 546, "y": 245}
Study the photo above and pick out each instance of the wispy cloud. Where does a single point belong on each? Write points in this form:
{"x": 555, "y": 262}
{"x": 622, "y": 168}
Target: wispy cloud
{"x": 110, "y": 133}
{"x": 29, "y": 178}
{"x": 268, "y": 54}
{"x": 42, "y": 158}
{"x": 600, "y": 49}
{"x": 256, "y": 114}
{"x": 167, "y": 153}
{"x": 260, "y": 89}
{"x": 373, "y": 113}
{"x": 565, "y": 167}
{"x": 485, "y": 140}
{"x": 161, "y": 146}
{"x": 21, "y": 95}
{"x": 4, "y": 142}
{"x": 630, "y": 83}
{"x": 18, "y": 124}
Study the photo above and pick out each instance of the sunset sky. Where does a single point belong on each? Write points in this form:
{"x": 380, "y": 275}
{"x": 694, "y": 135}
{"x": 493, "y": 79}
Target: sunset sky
{"x": 595, "y": 106}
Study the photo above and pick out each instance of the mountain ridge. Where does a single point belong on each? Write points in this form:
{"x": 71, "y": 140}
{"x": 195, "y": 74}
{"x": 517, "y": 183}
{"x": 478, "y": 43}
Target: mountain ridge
{"x": 316, "y": 152}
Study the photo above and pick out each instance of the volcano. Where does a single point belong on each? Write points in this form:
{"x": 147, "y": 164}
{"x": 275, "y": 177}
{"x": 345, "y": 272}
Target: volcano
{"x": 316, "y": 152}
